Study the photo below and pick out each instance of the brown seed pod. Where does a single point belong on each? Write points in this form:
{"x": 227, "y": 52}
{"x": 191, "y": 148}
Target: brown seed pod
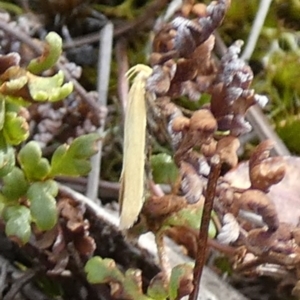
{"x": 202, "y": 120}
{"x": 199, "y": 9}
{"x": 186, "y": 8}
{"x": 209, "y": 149}
{"x": 267, "y": 173}
{"x": 261, "y": 152}
{"x": 264, "y": 173}
{"x": 180, "y": 123}
{"x": 156, "y": 207}
{"x": 227, "y": 148}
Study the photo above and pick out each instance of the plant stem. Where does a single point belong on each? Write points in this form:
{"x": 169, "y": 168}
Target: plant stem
{"x": 104, "y": 63}
{"x": 205, "y": 220}
{"x": 123, "y": 66}
{"x": 162, "y": 256}
{"x": 261, "y": 14}
{"x": 145, "y": 20}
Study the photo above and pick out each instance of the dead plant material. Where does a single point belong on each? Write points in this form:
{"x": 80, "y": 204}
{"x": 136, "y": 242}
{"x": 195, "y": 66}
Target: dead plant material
{"x": 227, "y": 149}
{"x": 156, "y": 207}
{"x": 264, "y": 173}
{"x": 259, "y": 202}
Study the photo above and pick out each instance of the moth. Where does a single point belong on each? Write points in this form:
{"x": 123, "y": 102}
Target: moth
{"x": 131, "y": 197}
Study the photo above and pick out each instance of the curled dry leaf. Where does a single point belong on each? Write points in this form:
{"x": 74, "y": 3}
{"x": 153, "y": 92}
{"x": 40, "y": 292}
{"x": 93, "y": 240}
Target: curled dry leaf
{"x": 267, "y": 173}
{"x": 259, "y": 202}
{"x": 9, "y": 60}
{"x": 184, "y": 236}
{"x": 163, "y": 206}
{"x": 203, "y": 121}
{"x": 46, "y": 239}
{"x": 190, "y": 44}
{"x": 260, "y": 241}
{"x": 180, "y": 124}
{"x": 209, "y": 149}
{"x": 261, "y": 152}
{"x": 202, "y": 125}
{"x": 263, "y": 174}
{"x": 285, "y": 195}
{"x": 72, "y": 213}
{"x": 200, "y": 10}
{"x": 76, "y": 226}
{"x": 227, "y": 149}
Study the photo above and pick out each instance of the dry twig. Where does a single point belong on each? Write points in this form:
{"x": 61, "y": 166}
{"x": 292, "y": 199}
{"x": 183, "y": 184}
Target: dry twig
{"x": 205, "y": 220}
{"x": 104, "y": 63}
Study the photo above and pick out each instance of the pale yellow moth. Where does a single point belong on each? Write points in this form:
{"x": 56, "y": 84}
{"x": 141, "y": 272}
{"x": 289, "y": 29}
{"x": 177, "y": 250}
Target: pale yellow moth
{"x": 131, "y": 197}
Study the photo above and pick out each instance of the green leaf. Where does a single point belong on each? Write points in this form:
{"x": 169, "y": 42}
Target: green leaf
{"x": 181, "y": 281}
{"x": 51, "y": 54}
{"x": 105, "y": 271}
{"x": 14, "y": 79}
{"x": 14, "y": 184}
{"x": 164, "y": 169}
{"x": 7, "y": 157}
{"x": 102, "y": 271}
{"x": 49, "y": 88}
{"x": 189, "y": 217}
{"x": 33, "y": 164}
{"x": 42, "y": 203}
{"x": 15, "y": 100}
{"x": 16, "y": 129}
{"x": 157, "y": 289}
{"x": 132, "y": 286}
{"x": 17, "y": 222}
{"x": 73, "y": 160}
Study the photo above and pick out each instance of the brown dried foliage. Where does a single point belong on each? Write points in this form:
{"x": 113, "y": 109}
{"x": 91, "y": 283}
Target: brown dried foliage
{"x": 183, "y": 65}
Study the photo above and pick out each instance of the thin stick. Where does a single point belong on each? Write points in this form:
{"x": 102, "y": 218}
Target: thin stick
{"x": 162, "y": 256}
{"x": 144, "y": 20}
{"x": 256, "y": 28}
{"x": 104, "y": 62}
{"x": 123, "y": 67}
{"x": 100, "y": 212}
{"x": 254, "y": 115}
{"x": 205, "y": 220}
{"x": 18, "y": 284}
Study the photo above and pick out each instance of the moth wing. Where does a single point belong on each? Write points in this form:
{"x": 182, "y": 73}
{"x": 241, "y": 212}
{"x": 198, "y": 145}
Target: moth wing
{"x": 131, "y": 196}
